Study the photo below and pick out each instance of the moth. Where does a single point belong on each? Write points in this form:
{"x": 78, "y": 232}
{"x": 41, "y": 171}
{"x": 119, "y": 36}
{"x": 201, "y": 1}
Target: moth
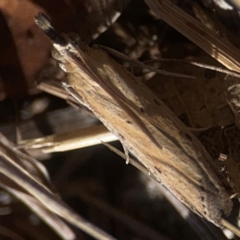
{"x": 143, "y": 124}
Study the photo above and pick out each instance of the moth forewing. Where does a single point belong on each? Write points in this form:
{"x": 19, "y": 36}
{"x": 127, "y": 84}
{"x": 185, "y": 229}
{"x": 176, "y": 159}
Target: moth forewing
{"x": 147, "y": 128}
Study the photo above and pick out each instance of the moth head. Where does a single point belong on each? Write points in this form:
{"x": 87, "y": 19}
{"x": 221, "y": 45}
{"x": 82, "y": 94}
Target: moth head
{"x": 56, "y": 50}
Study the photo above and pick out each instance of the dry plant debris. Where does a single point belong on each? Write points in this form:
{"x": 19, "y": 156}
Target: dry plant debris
{"x": 114, "y": 198}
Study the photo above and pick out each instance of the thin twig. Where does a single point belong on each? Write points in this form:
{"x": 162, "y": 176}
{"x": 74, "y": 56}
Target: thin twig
{"x": 142, "y": 65}
{"x": 198, "y": 64}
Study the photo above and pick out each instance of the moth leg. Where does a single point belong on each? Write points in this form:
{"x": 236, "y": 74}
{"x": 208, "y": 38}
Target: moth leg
{"x": 126, "y": 152}
{"x": 73, "y": 93}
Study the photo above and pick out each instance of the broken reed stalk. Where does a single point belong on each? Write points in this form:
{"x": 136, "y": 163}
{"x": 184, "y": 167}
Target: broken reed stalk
{"x": 211, "y": 42}
{"x": 75, "y": 139}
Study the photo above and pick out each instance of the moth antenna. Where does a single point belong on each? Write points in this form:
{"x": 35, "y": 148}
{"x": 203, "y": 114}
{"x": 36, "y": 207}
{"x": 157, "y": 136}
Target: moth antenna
{"x": 44, "y": 23}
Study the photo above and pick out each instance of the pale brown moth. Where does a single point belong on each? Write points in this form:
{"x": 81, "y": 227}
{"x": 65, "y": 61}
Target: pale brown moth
{"x": 143, "y": 124}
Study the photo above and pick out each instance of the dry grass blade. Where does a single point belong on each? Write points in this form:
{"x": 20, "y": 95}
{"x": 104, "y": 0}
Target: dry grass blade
{"x": 212, "y": 43}
{"x": 14, "y": 172}
{"x": 49, "y": 218}
{"x": 27, "y": 162}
